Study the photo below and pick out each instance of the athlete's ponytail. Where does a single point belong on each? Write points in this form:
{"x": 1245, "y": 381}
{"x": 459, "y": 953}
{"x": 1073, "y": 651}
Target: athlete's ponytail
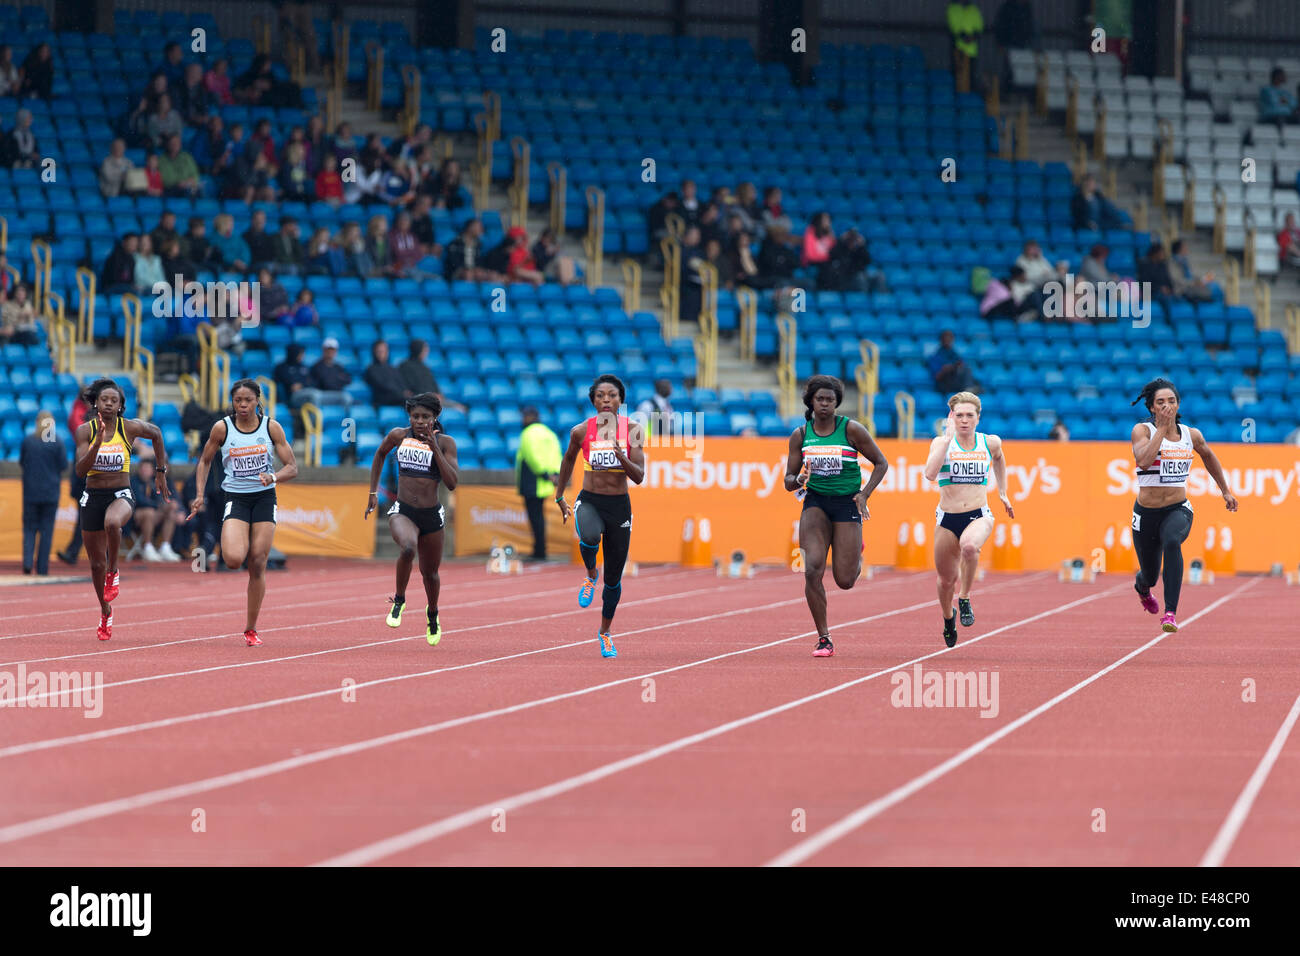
{"x": 1148, "y": 396}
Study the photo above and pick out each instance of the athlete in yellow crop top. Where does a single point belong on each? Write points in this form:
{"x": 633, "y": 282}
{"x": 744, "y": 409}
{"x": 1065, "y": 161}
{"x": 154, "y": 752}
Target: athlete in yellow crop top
{"x": 104, "y": 459}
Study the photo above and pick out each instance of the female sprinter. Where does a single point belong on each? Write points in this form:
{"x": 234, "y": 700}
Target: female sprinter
{"x": 245, "y": 439}
{"x": 960, "y": 459}
{"x": 611, "y": 455}
{"x": 104, "y": 460}
{"x": 1162, "y": 515}
{"x": 425, "y": 456}
{"x": 824, "y": 461}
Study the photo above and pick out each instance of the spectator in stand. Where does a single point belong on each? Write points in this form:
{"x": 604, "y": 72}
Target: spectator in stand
{"x": 658, "y": 410}
{"x": 741, "y": 267}
{"x": 446, "y": 187}
{"x": 385, "y": 381}
{"x": 316, "y": 143}
{"x": 1277, "y": 104}
{"x": 405, "y": 247}
{"x": 9, "y": 76}
{"x": 77, "y": 416}
{"x": 772, "y": 213}
{"x": 1154, "y": 269}
{"x": 304, "y": 309}
{"x": 1038, "y": 270}
{"x": 329, "y": 185}
{"x": 195, "y": 245}
{"x": 215, "y": 149}
{"x": 690, "y": 203}
{"x": 462, "y": 256}
{"x": 295, "y": 21}
{"x": 153, "y": 182}
{"x": 947, "y": 370}
{"x": 422, "y": 225}
{"x": 165, "y": 231}
{"x": 153, "y": 513}
{"x": 710, "y": 224}
{"x": 262, "y": 140}
{"x": 657, "y": 219}
{"x": 356, "y": 257}
{"x": 520, "y": 266}
{"x": 1094, "y": 267}
{"x": 174, "y": 262}
{"x": 162, "y": 123}
{"x": 18, "y": 319}
{"x": 217, "y": 83}
{"x": 966, "y": 24}
{"x": 748, "y": 210}
{"x": 138, "y": 118}
{"x": 1089, "y": 209}
{"x": 546, "y": 255}
{"x": 537, "y": 468}
{"x": 43, "y": 459}
{"x": 378, "y": 246}
{"x": 180, "y": 174}
{"x": 407, "y": 148}
{"x": 255, "y": 83}
{"x": 1288, "y": 241}
{"x": 396, "y": 187}
{"x": 324, "y": 256}
{"x": 328, "y": 379}
{"x": 113, "y": 170}
{"x": 38, "y": 73}
{"x": 417, "y": 377}
{"x": 253, "y": 178}
{"x": 1188, "y": 284}
{"x": 261, "y": 245}
{"x": 778, "y": 257}
{"x": 344, "y": 144}
{"x": 295, "y": 177}
{"x": 287, "y": 256}
{"x": 818, "y": 240}
{"x": 849, "y": 267}
{"x": 20, "y": 149}
{"x": 292, "y": 376}
{"x": 195, "y": 101}
{"x": 273, "y": 298}
{"x": 173, "y": 65}
{"x": 148, "y": 267}
{"x": 231, "y": 250}
{"x": 1059, "y": 432}
{"x": 1015, "y": 29}
{"x": 369, "y": 183}
{"x": 118, "y": 274}
{"x": 690, "y": 293}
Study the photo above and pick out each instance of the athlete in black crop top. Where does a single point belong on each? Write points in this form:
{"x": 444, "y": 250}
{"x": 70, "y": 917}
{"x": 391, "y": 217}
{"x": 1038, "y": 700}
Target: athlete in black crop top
{"x": 425, "y": 457}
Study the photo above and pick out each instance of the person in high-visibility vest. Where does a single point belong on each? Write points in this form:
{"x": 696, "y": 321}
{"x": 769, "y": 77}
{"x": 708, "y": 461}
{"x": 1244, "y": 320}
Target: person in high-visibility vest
{"x": 537, "y": 465}
{"x": 966, "y": 24}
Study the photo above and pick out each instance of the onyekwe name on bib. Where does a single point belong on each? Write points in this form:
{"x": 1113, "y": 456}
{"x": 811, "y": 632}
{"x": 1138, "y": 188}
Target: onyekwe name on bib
{"x": 247, "y": 460}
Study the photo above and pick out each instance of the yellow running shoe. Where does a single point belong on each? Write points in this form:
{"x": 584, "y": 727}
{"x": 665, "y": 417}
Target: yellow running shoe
{"x": 394, "y": 618}
{"x": 433, "y": 629}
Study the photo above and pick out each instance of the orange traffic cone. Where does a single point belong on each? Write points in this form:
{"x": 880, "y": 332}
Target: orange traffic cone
{"x": 697, "y": 543}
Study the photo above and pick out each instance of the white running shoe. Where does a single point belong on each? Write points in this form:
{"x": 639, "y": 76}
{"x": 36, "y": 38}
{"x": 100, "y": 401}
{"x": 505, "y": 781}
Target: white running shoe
{"x": 166, "y": 552}
{"x": 151, "y": 553}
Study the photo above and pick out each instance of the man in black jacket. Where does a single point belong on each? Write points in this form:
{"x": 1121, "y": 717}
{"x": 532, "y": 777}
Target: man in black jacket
{"x": 261, "y": 246}
{"x": 385, "y": 381}
{"x": 328, "y": 379}
{"x": 118, "y": 274}
{"x": 416, "y": 375}
{"x": 286, "y": 248}
{"x": 43, "y": 458}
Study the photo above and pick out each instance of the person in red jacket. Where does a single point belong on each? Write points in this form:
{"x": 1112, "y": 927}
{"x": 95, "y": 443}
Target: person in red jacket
{"x": 76, "y": 485}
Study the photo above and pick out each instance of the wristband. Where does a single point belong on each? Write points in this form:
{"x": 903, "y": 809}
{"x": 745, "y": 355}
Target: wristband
{"x": 374, "y": 494}
{"x": 273, "y": 478}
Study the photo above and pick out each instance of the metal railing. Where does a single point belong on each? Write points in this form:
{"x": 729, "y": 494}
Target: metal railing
{"x": 262, "y": 35}
{"x": 340, "y": 36}
{"x": 993, "y": 96}
{"x": 132, "y": 313}
{"x": 214, "y": 367}
{"x": 1218, "y": 243}
{"x": 4, "y": 236}
{"x": 191, "y": 388}
{"x": 1231, "y": 281}
{"x": 905, "y": 406}
{"x": 1099, "y": 133}
{"x": 1189, "y": 200}
{"x": 62, "y": 333}
{"x": 1293, "y": 326}
{"x": 670, "y": 293}
{"x": 1040, "y": 87}
{"x": 374, "y": 74}
{"x": 43, "y": 258}
{"x": 269, "y": 391}
{"x": 1248, "y": 249}
{"x": 313, "y": 426}
{"x": 1263, "y": 305}
{"x": 492, "y": 106}
{"x": 1022, "y": 132}
{"x": 144, "y": 380}
{"x": 867, "y": 376}
{"x": 631, "y": 286}
{"x": 411, "y": 80}
{"x": 788, "y": 330}
{"x": 483, "y": 160}
{"x": 559, "y": 179}
{"x": 518, "y": 189}
{"x": 87, "y": 283}
{"x": 706, "y": 342}
{"x": 1072, "y": 108}
{"x": 747, "y": 303}
{"x": 594, "y": 244}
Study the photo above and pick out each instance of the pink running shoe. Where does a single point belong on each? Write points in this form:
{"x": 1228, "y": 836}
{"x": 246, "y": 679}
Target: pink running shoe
{"x": 1167, "y": 623}
{"x": 112, "y": 584}
{"x": 1148, "y": 602}
{"x": 105, "y": 630}
{"x": 824, "y": 648}
{"x": 251, "y": 639}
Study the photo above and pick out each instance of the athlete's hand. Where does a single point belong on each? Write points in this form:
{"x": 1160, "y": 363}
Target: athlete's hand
{"x": 949, "y": 427}
{"x": 1165, "y": 416}
{"x": 100, "y": 432}
{"x": 1006, "y": 503}
{"x": 805, "y": 472}
{"x": 195, "y": 507}
{"x": 371, "y": 503}
{"x": 861, "y": 500}
{"x": 266, "y": 479}
{"x": 1230, "y": 501}
{"x": 565, "y": 510}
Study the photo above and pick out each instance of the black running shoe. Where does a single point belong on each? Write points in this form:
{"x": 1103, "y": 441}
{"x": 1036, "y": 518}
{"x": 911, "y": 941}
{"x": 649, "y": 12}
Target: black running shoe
{"x": 967, "y": 615}
{"x": 824, "y": 648}
{"x": 950, "y": 629}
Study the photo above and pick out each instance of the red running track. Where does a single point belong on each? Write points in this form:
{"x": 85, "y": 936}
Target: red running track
{"x": 715, "y": 738}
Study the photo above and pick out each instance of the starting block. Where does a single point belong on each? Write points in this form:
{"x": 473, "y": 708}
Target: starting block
{"x": 737, "y": 567}
{"x": 1293, "y": 577}
{"x": 1076, "y": 571}
{"x": 1197, "y": 573}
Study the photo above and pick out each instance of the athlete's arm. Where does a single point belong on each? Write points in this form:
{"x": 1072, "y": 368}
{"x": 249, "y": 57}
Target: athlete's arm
{"x": 939, "y": 450}
{"x": 86, "y": 451}
{"x": 139, "y": 428}
{"x": 285, "y": 451}
{"x": 794, "y": 461}
{"x": 448, "y": 463}
{"x": 1212, "y": 465}
{"x": 391, "y": 441}
{"x": 634, "y": 461}
{"x": 566, "y": 468}
{"x": 999, "y": 462}
{"x": 1146, "y": 445}
{"x": 861, "y": 439}
{"x": 216, "y": 438}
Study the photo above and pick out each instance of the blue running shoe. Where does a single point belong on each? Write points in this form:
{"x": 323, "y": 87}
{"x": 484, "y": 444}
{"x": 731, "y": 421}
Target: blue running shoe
{"x": 587, "y": 593}
{"x": 607, "y": 648}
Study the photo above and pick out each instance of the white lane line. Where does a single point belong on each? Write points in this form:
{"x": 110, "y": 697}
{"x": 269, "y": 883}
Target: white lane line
{"x": 459, "y": 821}
{"x": 817, "y": 842}
{"x": 1227, "y": 834}
{"x": 58, "y": 821}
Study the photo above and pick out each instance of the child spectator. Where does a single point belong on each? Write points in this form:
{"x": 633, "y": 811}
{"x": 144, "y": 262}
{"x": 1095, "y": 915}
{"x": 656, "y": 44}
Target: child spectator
{"x": 329, "y": 186}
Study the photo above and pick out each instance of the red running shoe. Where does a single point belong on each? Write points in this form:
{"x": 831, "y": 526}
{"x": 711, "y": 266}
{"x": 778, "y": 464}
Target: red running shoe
{"x": 824, "y": 648}
{"x": 105, "y": 630}
{"x": 251, "y": 639}
{"x": 112, "y": 586}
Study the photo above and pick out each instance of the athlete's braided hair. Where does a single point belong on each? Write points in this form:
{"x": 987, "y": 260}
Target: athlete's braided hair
{"x": 93, "y": 390}
{"x": 1148, "y": 396}
{"x": 429, "y": 400}
{"x": 815, "y": 385}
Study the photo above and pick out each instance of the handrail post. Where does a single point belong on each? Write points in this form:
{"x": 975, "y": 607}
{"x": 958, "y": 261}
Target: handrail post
{"x": 670, "y": 291}
{"x": 595, "y": 241}
{"x": 559, "y": 179}
{"x": 631, "y": 286}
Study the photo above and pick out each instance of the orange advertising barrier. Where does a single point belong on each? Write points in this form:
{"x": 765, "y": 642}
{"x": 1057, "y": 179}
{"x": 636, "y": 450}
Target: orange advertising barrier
{"x": 697, "y": 542}
{"x": 1120, "y": 556}
{"x": 310, "y": 519}
{"x": 910, "y": 555}
{"x": 1008, "y": 547}
{"x": 1218, "y": 550}
{"x": 1066, "y": 494}
{"x": 488, "y": 516}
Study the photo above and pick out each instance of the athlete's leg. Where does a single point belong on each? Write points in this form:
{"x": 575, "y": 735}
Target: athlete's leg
{"x": 234, "y": 542}
{"x": 260, "y": 536}
{"x": 814, "y": 541}
{"x": 618, "y": 540}
{"x": 118, "y": 514}
{"x": 430, "y": 548}
{"x": 846, "y": 553}
{"x": 407, "y": 536}
{"x": 95, "y": 551}
{"x": 947, "y": 560}
{"x": 1173, "y": 532}
{"x": 972, "y": 539}
{"x": 590, "y": 527}
{"x": 1146, "y": 545}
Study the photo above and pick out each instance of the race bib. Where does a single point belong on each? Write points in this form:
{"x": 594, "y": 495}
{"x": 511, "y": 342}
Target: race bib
{"x": 968, "y": 469}
{"x": 602, "y": 457}
{"x": 415, "y": 455}
{"x": 1175, "y": 465}
{"x": 248, "y": 461}
{"x": 110, "y": 459}
{"x": 824, "y": 460}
